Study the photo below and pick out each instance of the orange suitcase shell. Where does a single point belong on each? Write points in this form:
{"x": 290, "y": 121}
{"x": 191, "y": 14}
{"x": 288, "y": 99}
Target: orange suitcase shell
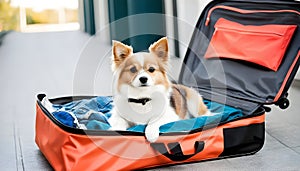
{"x": 69, "y": 148}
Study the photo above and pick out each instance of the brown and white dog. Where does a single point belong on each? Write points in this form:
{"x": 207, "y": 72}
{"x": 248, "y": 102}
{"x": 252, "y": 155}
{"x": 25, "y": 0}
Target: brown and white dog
{"x": 143, "y": 93}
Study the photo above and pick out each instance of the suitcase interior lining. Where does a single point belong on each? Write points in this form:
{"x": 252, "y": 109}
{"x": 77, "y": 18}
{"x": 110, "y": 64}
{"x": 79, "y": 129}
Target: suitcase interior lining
{"x": 232, "y": 79}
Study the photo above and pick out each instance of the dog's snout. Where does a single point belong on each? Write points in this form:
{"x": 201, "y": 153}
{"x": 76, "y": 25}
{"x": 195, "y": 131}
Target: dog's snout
{"x": 143, "y": 80}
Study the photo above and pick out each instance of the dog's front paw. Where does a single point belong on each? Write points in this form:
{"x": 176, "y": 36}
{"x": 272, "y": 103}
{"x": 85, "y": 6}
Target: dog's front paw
{"x": 152, "y": 133}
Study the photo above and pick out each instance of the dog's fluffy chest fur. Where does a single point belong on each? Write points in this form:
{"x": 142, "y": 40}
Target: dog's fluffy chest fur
{"x": 137, "y": 111}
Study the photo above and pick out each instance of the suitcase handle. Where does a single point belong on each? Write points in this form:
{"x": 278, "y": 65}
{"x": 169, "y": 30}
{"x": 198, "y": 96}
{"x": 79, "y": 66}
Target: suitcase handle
{"x": 176, "y": 153}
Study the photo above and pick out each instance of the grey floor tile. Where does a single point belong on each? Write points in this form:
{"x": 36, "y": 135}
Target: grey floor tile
{"x": 9, "y": 154}
{"x": 288, "y": 134}
{"x": 297, "y": 149}
{"x": 216, "y": 165}
{"x": 283, "y": 159}
{"x": 35, "y": 159}
{"x": 271, "y": 143}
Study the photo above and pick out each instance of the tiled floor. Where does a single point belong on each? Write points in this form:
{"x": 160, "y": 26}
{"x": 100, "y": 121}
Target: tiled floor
{"x": 55, "y": 63}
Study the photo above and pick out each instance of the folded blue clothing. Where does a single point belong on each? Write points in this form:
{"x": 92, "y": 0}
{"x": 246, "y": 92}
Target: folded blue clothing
{"x": 94, "y": 124}
{"x": 65, "y": 118}
{"x": 94, "y": 113}
{"x": 87, "y": 112}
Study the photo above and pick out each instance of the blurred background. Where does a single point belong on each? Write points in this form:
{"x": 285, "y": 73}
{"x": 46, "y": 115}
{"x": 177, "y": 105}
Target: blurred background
{"x": 92, "y": 16}
{"x": 39, "y": 15}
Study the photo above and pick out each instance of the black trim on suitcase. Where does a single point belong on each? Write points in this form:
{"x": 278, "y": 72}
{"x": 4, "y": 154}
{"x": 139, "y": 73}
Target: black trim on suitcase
{"x": 243, "y": 139}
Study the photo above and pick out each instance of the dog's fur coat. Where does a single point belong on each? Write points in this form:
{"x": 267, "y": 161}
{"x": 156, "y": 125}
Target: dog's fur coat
{"x": 143, "y": 93}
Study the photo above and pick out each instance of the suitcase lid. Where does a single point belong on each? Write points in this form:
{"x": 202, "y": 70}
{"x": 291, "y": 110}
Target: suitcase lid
{"x": 216, "y": 66}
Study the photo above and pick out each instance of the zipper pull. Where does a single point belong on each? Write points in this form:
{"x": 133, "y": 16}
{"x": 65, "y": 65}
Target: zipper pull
{"x": 215, "y": 31}
{"x": 209, "y": 13}
{"x": 207, "y": 21}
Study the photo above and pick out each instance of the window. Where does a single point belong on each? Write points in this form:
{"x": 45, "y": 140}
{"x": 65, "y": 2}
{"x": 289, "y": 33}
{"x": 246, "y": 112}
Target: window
{"x": 46, "y": 15}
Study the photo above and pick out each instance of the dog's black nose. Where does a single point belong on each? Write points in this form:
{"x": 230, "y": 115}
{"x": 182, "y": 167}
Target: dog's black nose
{"x": 143, "y": 80}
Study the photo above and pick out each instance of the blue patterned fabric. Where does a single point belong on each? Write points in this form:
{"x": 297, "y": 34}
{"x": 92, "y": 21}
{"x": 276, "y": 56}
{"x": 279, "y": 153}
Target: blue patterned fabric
{"x": 93, "y": 113}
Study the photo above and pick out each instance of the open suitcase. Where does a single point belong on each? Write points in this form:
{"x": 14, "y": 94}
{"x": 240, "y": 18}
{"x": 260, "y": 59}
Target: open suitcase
{"x": 243, "y": 55}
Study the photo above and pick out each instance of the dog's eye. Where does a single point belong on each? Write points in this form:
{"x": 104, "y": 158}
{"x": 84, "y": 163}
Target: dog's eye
{"x": 133, "y": 69}
{"x": 151, "y": 69}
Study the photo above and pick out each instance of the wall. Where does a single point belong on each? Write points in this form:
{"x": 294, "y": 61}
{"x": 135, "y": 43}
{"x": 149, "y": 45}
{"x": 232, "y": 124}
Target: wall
{"x": 101, "y": 20}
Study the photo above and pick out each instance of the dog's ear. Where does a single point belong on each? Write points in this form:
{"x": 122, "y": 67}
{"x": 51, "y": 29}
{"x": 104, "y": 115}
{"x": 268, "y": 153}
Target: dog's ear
{"x": 120, "y": 52}
{"x": 160, "y": 48}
